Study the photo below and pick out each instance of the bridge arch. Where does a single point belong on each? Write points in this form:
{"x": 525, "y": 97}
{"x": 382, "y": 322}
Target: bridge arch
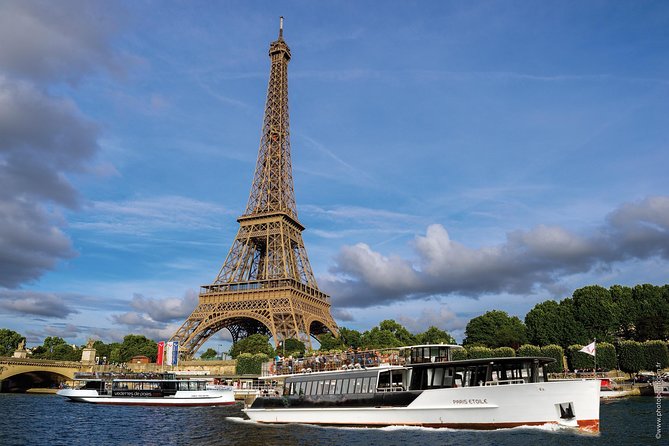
{"x": 19, "y": 375}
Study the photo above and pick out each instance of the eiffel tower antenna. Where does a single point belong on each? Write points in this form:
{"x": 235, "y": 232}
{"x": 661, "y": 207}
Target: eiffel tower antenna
{"x": 266, "y": 284}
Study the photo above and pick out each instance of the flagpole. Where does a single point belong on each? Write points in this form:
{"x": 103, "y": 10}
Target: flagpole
{"x": 595, "y": 370}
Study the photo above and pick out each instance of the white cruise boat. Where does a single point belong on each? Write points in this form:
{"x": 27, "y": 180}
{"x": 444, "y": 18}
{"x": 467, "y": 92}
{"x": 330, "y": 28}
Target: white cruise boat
{"x": 432, "y": 390}
{"x": 156, "y": 390}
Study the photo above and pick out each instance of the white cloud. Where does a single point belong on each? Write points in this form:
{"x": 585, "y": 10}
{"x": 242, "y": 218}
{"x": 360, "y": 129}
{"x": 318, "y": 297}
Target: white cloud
{"x": 528, "y": 260}
{"x": 35, "y": 303}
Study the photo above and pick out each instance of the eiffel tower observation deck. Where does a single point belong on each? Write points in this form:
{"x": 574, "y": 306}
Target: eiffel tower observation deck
{"x": 266, "y": 284}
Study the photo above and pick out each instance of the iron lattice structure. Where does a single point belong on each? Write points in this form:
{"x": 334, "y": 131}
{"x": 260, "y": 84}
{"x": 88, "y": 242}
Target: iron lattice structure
{"x": 266, "y": 284}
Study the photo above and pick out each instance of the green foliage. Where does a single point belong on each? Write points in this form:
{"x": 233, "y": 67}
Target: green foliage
{"x": 631, "y": 356}
{"x": 550, "y": 322}
{"x": 57, "y": 348}
{"x": 495, "y": 329}
{"x": 378, "y": 338}
{"x": 595, "y": 310}
{"x": 256, "y": 343}
{"x": 9, "y": 341}
{"x": 652, "y": 315}
{"x": 329, "y": 342}
{"x": 544, "y": 323}
{"x": 458, "y": 354}
{"x": 434, "y": 335}
{"x": 209, "y": 354}
{"x": 350, "y": 338}
{"x": 606, "y": 356}
{"x": 628, "y": 310}
{"x": 250, "y": 364}
{"x": 65, "y": 352}
{"x": 102, "y": 350}
{"x": 115, "y": 352}
{"x": 503, "y": 352}
{"x": 477, "y": 352}
{"x": 294, "y": 347}
{"x": 403, "y": 336}
{"x": 137, "y": 345}
{"x": 556, "y": 352}
{"x": 579, "y": 360}
{"x": 656, "y": 355}
{"x": 528, "y": 350}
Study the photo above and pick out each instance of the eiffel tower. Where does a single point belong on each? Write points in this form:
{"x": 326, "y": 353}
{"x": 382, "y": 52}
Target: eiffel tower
{"x": 266, "y": 284}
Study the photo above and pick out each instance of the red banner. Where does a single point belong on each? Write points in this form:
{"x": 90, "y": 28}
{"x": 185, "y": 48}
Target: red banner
{"x": 161, "y": 352}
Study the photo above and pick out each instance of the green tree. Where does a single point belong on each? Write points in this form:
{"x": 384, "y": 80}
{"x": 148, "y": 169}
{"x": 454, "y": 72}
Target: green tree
{"x": 295, "y": 347}
{"x": 550, "y": 322}
{"x": 579, "y": 360}
{"x": 495, "y": 329}
{"x": 137, "y": 345}
{"x": 631, "y": 356}
{"x": 350, "y": 338}
{"x": 433, "y": 335}
{"x": 594, "y": 308}
{"x": 458, "y": 354}
{"x": 378, "y": 338}
{"x": 556, "y": 352}
{"x": 256, "y": 343}
{"x": 9, "y": 341}
{"x": 250, "y": 364}
{"x": 478, "y": 352}
{"x": 65, "y": 352}
{"x": 544, "y": 323}
{"x": 652, "y": 321}
{"x": 403, "y": 336}
{"x": 329, "y": 342}
{"x": 656, "y": 355}
{"x": 606, "y": 356}
{"x": 627, "y": 309}
{"x": 503, "y": 352}
{"x": 102, "y": 350}
{"x": 209, "y": 354}
{"x": 528, "y": 350}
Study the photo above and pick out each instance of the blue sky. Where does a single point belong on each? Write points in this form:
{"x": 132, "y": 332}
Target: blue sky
{"x": 449, "y": 157}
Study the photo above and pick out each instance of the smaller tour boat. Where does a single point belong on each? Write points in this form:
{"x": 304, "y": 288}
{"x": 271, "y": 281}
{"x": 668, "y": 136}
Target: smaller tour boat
{"x": 147, "y": 390}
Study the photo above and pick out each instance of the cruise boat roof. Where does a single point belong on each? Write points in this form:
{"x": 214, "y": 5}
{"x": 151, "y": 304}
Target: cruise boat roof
{"x": 431, "y": 345}
{"x": 481, "y": 361}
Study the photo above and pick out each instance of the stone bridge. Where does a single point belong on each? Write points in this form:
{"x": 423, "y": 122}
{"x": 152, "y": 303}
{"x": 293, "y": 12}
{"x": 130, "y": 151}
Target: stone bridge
{"x": 23, "y": 374}
{"x": 43, "y": 375}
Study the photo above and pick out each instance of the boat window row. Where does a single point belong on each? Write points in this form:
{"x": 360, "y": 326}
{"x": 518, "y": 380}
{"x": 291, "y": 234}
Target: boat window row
{"x": 333, "y": 386}
{"x": 185, "y": 385}
{"x": 477, "y": 375}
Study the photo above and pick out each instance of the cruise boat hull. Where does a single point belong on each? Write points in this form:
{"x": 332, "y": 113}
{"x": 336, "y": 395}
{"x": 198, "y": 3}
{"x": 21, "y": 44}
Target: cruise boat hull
{"x": 566, "y": 403}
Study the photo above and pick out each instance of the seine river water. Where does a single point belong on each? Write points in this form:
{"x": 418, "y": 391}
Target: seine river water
{"x": 50, "y": 420}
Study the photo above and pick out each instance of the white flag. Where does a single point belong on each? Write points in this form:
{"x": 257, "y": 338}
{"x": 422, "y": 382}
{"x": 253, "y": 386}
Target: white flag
{"x": 589, "y": 349}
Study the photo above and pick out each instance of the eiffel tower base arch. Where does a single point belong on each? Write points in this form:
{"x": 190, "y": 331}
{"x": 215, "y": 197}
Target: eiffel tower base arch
{"x": 281, "y": 313}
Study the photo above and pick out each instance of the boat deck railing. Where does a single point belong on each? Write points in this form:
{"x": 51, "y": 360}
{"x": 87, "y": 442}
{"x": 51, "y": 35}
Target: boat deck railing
{"x": 349, "y": 360}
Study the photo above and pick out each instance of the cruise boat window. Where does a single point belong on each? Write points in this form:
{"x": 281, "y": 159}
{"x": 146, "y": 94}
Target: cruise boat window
{"x": 384, "y": 380}
{"x": 372, "y": 384}
{"x": 338, "y": 387}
